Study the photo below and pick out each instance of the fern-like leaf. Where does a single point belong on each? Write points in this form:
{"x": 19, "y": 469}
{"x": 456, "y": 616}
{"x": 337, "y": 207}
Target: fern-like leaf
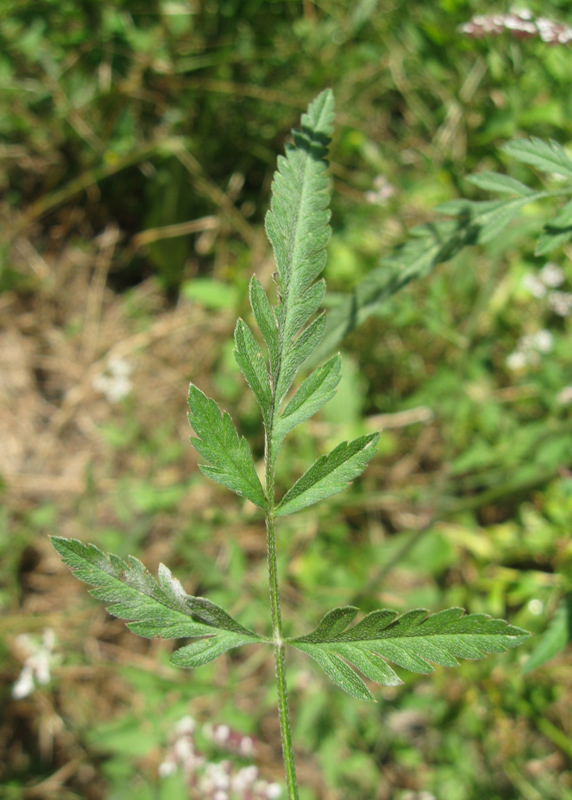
{"x": 298, "y": 229}
{"x": 230, "y": 458}
{"x": 329, "y": 474}
{"x": 411, "y": 641}
{"x": 546, "y": 156}
{"x": 156, "y": 609}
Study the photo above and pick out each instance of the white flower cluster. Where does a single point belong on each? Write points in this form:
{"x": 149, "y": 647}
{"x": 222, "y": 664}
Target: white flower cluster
{"x": 550, "y": 277}
{"x": 564, "y": 396}
{"x": 114, "y": 382}
{"x": 521, "y": 24}
{"x": 225, "y": 737}
{"x": 529, "y": 349}
{"x": 39, "y": 659}
{"x": 382, "y": 191}
{"x": 212, "y": 780}
{"x": 418, "y": 796}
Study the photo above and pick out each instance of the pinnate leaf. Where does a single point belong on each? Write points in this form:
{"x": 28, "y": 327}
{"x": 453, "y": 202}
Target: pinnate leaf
{"x": 411, "y": 641}
{"x": 230, "y": 459}
{"x": 265, "y": 319}
{"x": 556, "y": 232}
{"x": 495, "y": 182}
{"x": 546, "y": 156}
{"x": 157, "y": 609}
{"x": 294, "y": 357}
{"x": 253, "y": 365}
{"x": 329, "y": 474}
{"x": 485, "y": 219}
{"x": 298, "y": 230}
{"x": 312, "y": 395}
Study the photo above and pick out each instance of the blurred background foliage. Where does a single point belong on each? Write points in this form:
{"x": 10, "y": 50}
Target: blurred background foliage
{"x": 137, "y": 146}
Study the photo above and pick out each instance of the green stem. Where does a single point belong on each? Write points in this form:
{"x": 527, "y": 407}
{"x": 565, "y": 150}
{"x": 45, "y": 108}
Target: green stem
{"x": 287, "y": 750}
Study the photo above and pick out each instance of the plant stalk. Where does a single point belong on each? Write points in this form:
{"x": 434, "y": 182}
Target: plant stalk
{"x": 285, "y": 733}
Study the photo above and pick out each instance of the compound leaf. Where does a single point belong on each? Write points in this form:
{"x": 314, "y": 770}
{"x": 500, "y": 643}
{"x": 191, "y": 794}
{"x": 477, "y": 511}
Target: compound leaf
{"x": 156, "y": 609}
{"x": 294, "y": 357}
{"x": 252, "y": 364}
{"x": 298, "y": 230}
{"x": 411, "y": 641}
{"x": 319, "y": 387}
{"x": 329, "y": 474}
{"x": 495, "y": 182}
{"x": 265, "y": 319}
{"x": 485, "y": 219}
{"x": 556, "y": 232}
{"x": 546, "y": 156}
{"x": 557, "y": 636}
{"x": 230, "y": 459}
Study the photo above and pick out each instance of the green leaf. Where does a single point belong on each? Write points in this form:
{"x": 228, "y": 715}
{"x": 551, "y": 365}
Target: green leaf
{"x": 563, "y": 219}
{"x": 430, "y": 245}
{"x": 313, "y": 394}
{"x": 265, "y": 319}
{"x": 556, "y": 232}
{"x": 546, "y": 156}
{"x": 486, "y": 219}
{"x": 550, "y": 239}
{"x": 495, "y": 182}
{"x": 294, "y": 357}
{"x": 218, "y": 442}
{"x": 411, "y": 641}
{"x": 297, "y": 227}
{"x": 555, "y": 638}
{"x": 253, "y": 365}
{"x": 329, "y": 474}
{"x": 156, "y": 609}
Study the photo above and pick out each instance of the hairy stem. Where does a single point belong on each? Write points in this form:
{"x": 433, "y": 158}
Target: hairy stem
{"x": 287, "y": 750}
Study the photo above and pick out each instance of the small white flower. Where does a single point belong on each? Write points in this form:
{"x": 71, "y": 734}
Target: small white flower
{"x": 24, "y": 686}
{"x": 183, "y": 749}
{"x": 517, "y": 360}
{"x": 114, "y": 382}
{"x": 186, "y": 724}
{"x": 543, "y": 341}
{"x": 36, "y": 669}
{"x": 534, "y": 285}
{"x": 536, "y": 607}
{"x": 552, "y": 275}
{"x": 560, "y": 303}
{"x": 383, "y": 190}
{"x": 273, "y": 791}
{"x": 166, "y": 768}
{"x": 523, "y": 13}
{"x": 564, "y": 396}
{"x": 244, "y": 779}
{"x": 221, "y": 734}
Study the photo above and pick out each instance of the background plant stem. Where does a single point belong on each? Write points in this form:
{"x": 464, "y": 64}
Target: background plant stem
{"x": 285, "y": 733}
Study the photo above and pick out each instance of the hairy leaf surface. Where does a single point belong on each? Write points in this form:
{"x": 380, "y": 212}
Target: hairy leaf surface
{"x": 496, "y": 182}
{"x": 298, "y": 229}
{"x": 266, "y": 321}
{"x": 313, "y": 394}
{"x": 230, "y": 459}
{"x": 557, "y": 231}
{"x": 329, "y": 474}
{"x": 546, "y": 156}
{"x": 253, "y": 366}
{"x": 488, "y": 218}
{"x": 411, "y": 641}
{"x": 156, "y": 609}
